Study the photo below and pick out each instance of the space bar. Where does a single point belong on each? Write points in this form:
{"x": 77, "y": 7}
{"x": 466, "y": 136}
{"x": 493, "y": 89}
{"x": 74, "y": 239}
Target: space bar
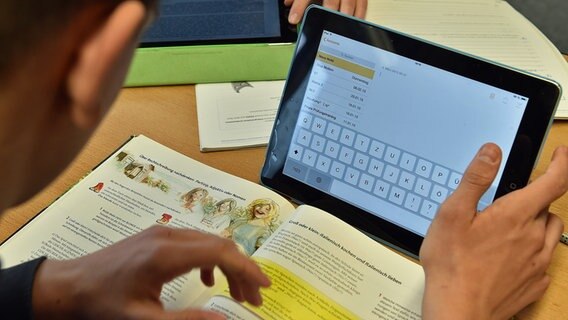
{"x": 380, "y": 207}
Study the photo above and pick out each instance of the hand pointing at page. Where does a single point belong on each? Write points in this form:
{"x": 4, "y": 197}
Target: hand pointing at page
{"x": 490, "y": 265}
{"x": 357, "y": 8}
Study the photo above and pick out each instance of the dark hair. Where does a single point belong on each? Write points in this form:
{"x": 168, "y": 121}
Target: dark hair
{"x": 23, "y": 23}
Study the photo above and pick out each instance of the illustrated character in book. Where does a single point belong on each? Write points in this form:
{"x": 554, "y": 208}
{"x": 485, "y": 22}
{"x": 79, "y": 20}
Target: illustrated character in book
{"x": 254, "y": 228}
{"x": 220, "y": 217}
{"x": 193, "y": 202}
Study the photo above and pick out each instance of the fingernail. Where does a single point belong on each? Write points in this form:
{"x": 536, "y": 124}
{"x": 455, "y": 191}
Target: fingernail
{"x": 489, "y": 153}
{"x": 293, "y": 18}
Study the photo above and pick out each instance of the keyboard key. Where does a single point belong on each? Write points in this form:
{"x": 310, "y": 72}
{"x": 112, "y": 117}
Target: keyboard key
{"x": 295, "y": 152}
{"x": 377, "y": 149}
{"x": 423, "y": 187}
{"x": 440, "y": 175}
{"x": 305, "y": 120}
{"x": 332, "y": 149}
{"x": 346, "y": 155}
{"x": 381, "y": 189}
{"x": 296, "y": 170}
{"x": 407, "y": 161}
{"x": 412, "y": 202}
{"x": 332, "y": 131}
{"x": 424, "y": 168}
{"x": 337, "y": 170}
{"x": 439, "y": 193}
{"x": 318, "y": 126}
{"x": 352, "y": 176}
{"x": 391, "y": 174}
{"x": 376, "y": 167}
{"x": 428, "y": 209}
{"x": 392, "y": 155}
{"x": 304, "y": 137}
{"x": 318, "y": 142}
{"x": 319, "y": 180}
{"x": 455, "y": 179}
{"x": 347, "y": 137}
{"x": 323, "y": 163}
{"x": 366, "y": 182}
{"x": 361, "y": 161}
{"x": 396, "y": 195}
{"x": 362, "y": 143}
{"x": 406, "y": 180}
{"x": 309, "y": 157}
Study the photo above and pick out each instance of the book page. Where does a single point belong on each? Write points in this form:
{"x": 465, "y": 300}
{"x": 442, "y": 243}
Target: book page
{"x": 490, "y": 29}
{"x": 141, "y": 185}
{"x": 238, "y": 114}
{"x": 322, "y": 268}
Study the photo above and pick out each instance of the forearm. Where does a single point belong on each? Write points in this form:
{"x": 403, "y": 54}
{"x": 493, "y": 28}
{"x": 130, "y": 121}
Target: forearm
{"x": 448, "y": 300}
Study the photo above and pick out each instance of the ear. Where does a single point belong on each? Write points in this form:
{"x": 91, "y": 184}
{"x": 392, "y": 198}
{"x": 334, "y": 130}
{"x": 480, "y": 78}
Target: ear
{"x": 102, "y": 62}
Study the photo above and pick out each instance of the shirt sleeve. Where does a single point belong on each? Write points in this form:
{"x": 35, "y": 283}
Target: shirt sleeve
{"x": 16, "y": 285}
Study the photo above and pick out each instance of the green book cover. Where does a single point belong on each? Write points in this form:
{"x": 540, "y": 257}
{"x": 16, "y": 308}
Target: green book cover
{"x": 210, "y": 63}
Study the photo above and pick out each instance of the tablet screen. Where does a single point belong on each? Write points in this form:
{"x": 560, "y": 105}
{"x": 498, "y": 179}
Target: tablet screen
{"x": 184, "y": 22}
{"x": 354, "y": 137}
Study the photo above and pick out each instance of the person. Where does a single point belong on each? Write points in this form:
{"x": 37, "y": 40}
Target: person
{"x": 254, "y": 228}
{"x": 61, "y": 66}
{"x": 193, "y": 202}
{"x": 220, "y": 217}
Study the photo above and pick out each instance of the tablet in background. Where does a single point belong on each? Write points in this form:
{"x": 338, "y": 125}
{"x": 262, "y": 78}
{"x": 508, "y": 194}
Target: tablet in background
{"x": 194, "y": 22}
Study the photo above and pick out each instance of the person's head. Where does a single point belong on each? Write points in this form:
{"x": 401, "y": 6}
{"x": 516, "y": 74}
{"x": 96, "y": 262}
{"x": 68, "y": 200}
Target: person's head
{"x": 61, "y": 65}
{"x": 226, "y": 205}
{"x": 194, "y": 195}
{"x": 262, "y": 209}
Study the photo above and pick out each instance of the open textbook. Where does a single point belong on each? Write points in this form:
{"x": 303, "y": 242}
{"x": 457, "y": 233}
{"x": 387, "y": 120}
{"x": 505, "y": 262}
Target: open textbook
{"x": 320, "y": 267}
{"x": 491, "y": 29}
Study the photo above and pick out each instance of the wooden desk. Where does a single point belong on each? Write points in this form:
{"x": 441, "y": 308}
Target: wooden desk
{"x": 168, "y": 115}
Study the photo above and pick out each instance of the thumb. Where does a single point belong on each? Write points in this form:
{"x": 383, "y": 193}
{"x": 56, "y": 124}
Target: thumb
{"x": 478, "y": 177}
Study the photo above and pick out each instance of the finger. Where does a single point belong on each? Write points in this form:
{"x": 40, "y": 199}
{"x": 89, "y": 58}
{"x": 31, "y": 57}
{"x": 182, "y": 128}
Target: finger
{"x": 207, "y": 276}
{"x": 297, "y": 10}
{"x": 532, "y": 290}
{"x": 288, "y": 2}
{"x": 361, "y": 9}
{"x": 192, "y": 315}
{"x": 554, "y": 228}
{"x": 348, "y": 6}
{"x": 476, "y": 180}
{"x": 548, "y": 187}
{"x": 332, "y": 4}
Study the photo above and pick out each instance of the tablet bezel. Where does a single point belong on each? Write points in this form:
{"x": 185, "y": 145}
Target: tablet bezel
{"x": 543, "y": 97}
{"x": 288, "y": 34}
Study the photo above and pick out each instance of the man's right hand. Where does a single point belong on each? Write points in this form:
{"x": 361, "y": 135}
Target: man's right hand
{"x": 124, "y": 281}
{"x": 490, "y": 265}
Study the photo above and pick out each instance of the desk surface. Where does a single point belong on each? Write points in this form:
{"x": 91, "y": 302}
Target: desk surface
{"x": 168, "y": 115}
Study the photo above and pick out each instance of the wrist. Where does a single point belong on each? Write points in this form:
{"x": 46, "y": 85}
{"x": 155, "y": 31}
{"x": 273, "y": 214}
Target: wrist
{"x": 449, "y": 299}
{"x": 53, "y": 293}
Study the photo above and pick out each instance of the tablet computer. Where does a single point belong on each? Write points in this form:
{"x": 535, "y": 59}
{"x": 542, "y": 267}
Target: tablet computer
{"x": 377, "y": 127}
{"x": 202, "y": 22}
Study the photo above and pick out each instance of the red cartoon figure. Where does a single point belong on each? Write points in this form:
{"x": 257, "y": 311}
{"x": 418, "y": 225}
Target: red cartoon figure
{"x": 97, "y": 188}
{"x": 165, "y": 219}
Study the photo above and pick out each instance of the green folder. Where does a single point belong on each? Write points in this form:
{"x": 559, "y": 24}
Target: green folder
{"x": 210, "y": 63}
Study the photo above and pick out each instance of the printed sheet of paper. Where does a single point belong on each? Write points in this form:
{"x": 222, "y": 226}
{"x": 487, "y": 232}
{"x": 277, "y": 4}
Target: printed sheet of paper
{"x": 491, "y": 29}
{"x": 236, "y": 115}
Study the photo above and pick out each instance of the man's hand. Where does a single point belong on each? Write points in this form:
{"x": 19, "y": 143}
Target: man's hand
{"x": 357, "y": 8}
{"x": 124, "y": 281}
{"x": 490, "y": 265}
